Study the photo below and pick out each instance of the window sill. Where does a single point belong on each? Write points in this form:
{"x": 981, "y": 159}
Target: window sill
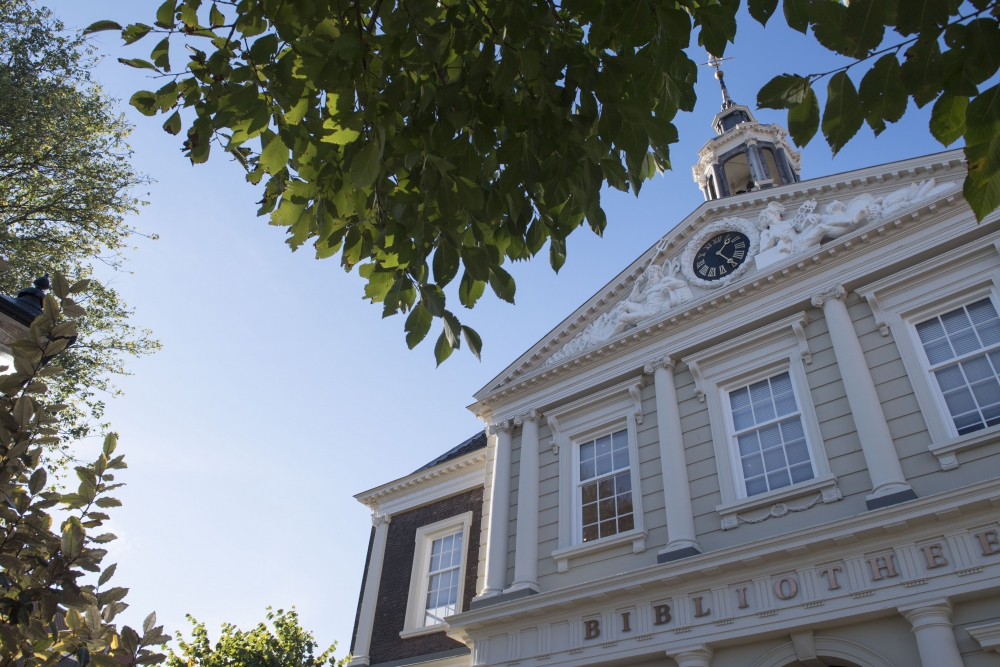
{"x": 946, "y": 452}
{"x": 636, "y": 536}
{"x": 407, "y": 633}
{"x": 827, "y": 485}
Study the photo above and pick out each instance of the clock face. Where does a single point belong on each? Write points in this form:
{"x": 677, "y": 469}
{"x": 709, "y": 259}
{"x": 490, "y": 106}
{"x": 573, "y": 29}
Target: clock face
{"x": 721, "y": 255}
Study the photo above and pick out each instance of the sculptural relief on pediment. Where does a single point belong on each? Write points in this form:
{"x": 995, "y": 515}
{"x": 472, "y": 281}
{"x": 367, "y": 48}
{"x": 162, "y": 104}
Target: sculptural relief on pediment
{"x": 807, "y": 229}
{"x": 666, "y": 284}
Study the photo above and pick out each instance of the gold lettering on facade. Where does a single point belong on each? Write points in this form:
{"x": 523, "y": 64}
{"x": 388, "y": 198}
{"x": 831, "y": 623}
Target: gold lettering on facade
{"x": 698, "y": 612}
{"x": 934, "y": 555}
{"x": 593, "y": 629}
{"x": 831, "y": 575}
{"x": 887, "y": 565}
{"x": 989, "y": 541}
{"x": 779, "y": 588}
{"x": 662, "y": 612}
{"x": 625, "y": 625}
{"x": 741, "y": 592}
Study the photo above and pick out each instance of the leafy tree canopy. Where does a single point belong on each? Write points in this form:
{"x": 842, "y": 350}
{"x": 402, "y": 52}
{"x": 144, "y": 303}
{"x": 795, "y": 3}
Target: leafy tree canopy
{"x": 65, "y": 191}
{"x": 287, "y": 645}
{"x": 433, "y": 140}
{"x": 55, "y": 597}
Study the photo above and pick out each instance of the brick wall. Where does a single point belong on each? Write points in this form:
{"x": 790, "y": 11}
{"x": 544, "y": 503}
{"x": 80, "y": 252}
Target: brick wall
{"x": 390, "y": 610}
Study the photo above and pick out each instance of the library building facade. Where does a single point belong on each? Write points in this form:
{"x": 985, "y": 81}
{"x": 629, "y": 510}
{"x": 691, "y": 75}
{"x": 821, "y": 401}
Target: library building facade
{"x": 773, "y": 440}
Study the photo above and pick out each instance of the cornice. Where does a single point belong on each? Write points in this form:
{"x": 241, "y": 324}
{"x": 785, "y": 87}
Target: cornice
{"x": 529, "y": 374}
{"x": 426, "y": 485}
{"x": 869, "y": 532}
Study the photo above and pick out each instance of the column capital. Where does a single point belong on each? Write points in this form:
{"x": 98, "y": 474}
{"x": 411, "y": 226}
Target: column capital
{"x": 659, "y": 362}
{"x": 531, "y": 415}
{"x": 495, "y": 427}
{"x": 835, "y": 292}
{"x": 927, "y": 613}
{"x": 380, "y": 518}
{"x": 698, "y": 655}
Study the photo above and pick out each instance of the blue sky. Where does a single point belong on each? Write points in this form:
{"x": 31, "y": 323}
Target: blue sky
{"x": 280, "y": 393}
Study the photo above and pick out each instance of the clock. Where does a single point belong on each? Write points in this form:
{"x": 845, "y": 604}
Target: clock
{"x": 720, "y": 253}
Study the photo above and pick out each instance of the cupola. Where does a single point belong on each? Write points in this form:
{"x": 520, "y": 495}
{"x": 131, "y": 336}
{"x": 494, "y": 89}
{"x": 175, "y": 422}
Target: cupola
{"x": 745, "y": 155}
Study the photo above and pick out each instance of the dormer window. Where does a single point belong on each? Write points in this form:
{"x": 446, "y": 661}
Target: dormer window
{"x": 437, "y": 580}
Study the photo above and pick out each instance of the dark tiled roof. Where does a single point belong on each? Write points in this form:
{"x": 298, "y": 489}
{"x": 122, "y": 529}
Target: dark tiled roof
{"x": 478, "y": 441}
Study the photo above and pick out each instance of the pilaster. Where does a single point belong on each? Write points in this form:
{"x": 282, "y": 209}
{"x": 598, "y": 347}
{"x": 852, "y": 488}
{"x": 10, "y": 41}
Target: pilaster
{"x": 369, "y": 597}
{"x": 499, "y": 523}
{"x": 889, "y": 486}
{"x": 526, "y": 555}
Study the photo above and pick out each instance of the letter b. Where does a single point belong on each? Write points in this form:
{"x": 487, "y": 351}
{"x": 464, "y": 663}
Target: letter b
{"x": 593, "y": 629}
{"x": 662, "y": 612}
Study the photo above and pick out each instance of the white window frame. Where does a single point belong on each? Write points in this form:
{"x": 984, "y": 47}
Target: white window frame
{"x": 900, "y": 302}
{"x": 416, "y": 599}
{"x": 784, "y": 366}
{"x": 576, "y": 424}
{"x": 759, "y": 354}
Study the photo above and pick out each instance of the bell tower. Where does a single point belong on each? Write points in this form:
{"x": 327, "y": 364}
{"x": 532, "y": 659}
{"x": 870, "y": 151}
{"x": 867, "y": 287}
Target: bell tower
{"x": 745, "y": 155}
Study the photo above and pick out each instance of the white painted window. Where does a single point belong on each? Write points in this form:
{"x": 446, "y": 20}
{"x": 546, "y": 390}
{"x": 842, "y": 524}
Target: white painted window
{"x": 437, "y": 580}
{"x": 605, "y": 486}
{"x": 962, "y": 349}
{"x": 443, "y": 573}
{"x": 768, "y": 434}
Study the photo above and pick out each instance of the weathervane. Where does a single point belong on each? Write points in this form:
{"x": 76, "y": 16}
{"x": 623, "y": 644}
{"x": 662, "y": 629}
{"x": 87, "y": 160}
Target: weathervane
{"x": 716, "y": 64}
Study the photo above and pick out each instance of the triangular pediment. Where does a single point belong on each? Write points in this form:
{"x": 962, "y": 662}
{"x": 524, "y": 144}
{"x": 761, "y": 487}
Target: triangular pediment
{"x": 773, "y": 227}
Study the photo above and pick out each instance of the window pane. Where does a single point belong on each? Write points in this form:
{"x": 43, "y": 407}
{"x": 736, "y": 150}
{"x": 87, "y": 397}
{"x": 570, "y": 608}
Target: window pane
{"x": 748, "y": 443}
{"x": 609, "y": 528}
{"x": 590, "y": 513}
{"x": 770, "y": 436}
{"x": 625, "y": 504}
{"x": 938, "y": 351}
{"x": 623, "y": 483}
{"x": 797, "y": 452}
{"x": 950, "y": 377}
{"x": 589, "y": 492}
{"x": 606, "y": 509}
{"x": 781, "y": 384}
{"x": 590, "y": 533}
{"x": 739, "y": 399}
{"x": 620, "y": 440}
{"x": 621, "y": 459}
{"x": 587, "y": 451}
{"x": 801, "y": 473}
{"x": 955, "y": 321}
{"x": 606, "y": 488}
{"x": 785, "y": 404}
{"x": 930, "y": 331}
{"x": 604, "y": 445}
{"x": 756, "y": 485}
{"x": 753, "y": 466}
{"x": 626, "y": 522}
{"x": 774, "y": 459}
{"x": 743, "y": 418}
{"x": 977, "y": 368}
{"x": 588, "y": 469}
{"x": 777, "y": 480}
{"x": 604, "y": 464}
{"x": 965, "y": 342}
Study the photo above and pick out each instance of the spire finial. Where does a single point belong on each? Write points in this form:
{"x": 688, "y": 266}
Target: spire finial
{"x": 716, "y": 63}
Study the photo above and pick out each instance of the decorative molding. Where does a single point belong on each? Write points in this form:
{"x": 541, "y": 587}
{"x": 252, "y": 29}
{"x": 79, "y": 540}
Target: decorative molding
{"x": 723, "y": 225}
{"x": 553, "y": 423}
{"x": 659, "y": 362}
{"x": 987, "y": 635}
{"x": 378, "y": 519}
{"x": 425, "y": 486}
{"x": 699, "y": 388}
{"x": 798, "y": 328}
{"x": 835, "y": 292}
{"x": 501, "y": 425}
{"x": 826, "y": 486}
{"x": 531, "y": 415}
{"x": 635, "y": 391}
{"x": 880, "y": 321}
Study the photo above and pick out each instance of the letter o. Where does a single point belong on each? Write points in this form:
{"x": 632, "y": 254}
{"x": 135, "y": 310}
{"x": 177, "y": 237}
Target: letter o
{"x": 793, "y": 588}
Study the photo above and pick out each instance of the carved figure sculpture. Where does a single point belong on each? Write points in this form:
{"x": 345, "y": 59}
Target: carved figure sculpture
{"x": 904, "y": 198}
{"x": 775, "y": 232}
{"x": 839, "y": 218}
{"x": 656, "y": 291}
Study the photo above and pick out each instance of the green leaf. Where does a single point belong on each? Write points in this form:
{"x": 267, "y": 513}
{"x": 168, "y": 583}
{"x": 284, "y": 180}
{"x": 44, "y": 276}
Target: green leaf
{"x": 173, "y": 124}
{"x": 948, "y": 118}
{"x": 418, "y": 323}
{"x": 145, "y": 102}
{"x": 866, "y": 22}
{"x": 445, "y": 264}
{"x": 100, "y": 26}
{"x": 796, "y": 14}
{"x": 365, "y": 165}
{"x": 215, "y": 17}
{"x": 274, "y": 157}
{"x": 502, "y": 284}
{"x": 73, "y": 536}
{"x": 473, "y": 341}
{"x": 803, "y": 119}
{"x": 718, "y": 26}
{"x": 166, "y": 14}
{"x": 442, "y": 350}
{"x": 470, "y": 290}
{"x": 882, "y": 95}
{"x": 477, "y": 262}
{"x": 452, "y": 329}
{"x": 161, "y": 54}
{"x": 433, "y": 298}
{"x": 783, "y": 92}
{"x": 982, "y": 138}
{"x": 762, "y": 10}
{"x": 106, "y": 502}
{"x": 842, "y": 117}
{"x": 134, "y": 32}
{"x": 110, "y": 444}
{"x": 37, "y": 481}
{"x": 107, "y": 574}
{"x": 922, "y": 71}
{"x": 924, "y": 16}
{"x": 829, "y": 24}
{"x": 137, "y": 63}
